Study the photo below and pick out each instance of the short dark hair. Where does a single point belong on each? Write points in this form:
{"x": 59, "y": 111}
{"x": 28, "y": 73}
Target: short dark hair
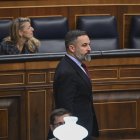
{"x": 71, "y": 37}
{"x": 57, "y": 113}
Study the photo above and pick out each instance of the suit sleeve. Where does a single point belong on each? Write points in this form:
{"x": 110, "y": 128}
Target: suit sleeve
{"x": 65, "y": 90}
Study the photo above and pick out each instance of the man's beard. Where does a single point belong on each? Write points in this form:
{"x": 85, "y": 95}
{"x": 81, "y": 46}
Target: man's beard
{"x": 87, "y": 57}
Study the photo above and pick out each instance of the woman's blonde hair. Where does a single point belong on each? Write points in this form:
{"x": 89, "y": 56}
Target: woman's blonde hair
{"x": 33, "y": 44}
{"x": 18, "y": 24}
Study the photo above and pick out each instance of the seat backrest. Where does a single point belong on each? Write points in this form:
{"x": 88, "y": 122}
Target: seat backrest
{"x": 102, "y": 31}
{"x": 134, "y": 36}
{"x": 5, "y": 28}
{"x": 51, "y": 32}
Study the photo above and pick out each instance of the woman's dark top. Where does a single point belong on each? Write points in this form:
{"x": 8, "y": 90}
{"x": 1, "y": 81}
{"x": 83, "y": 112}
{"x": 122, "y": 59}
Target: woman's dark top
{"x": 9, "y": 48}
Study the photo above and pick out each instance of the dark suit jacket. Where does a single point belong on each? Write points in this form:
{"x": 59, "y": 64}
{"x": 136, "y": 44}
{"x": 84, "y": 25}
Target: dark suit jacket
{"x": 9, "y": 48}
{"x": 73, "y": 91}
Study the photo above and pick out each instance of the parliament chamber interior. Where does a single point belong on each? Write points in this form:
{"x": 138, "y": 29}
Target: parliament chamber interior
{"x": 26, "y": 95}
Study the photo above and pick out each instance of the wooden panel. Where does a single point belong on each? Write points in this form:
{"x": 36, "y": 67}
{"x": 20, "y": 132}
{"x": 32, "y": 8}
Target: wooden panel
{"x": 35, "y": 97}
{"x": 130, "y": 73}
{"x": 113, "y": 116}
{"x": 12, "y": 14}
{"x": 49, "y": 106}
{"x": 3, "y": 123}
{"x": 126, "y": 26}
{"x": 122, "y": 10}
{"x": 11, "y": 79}
{"x": 38, "y": 3}
{"x": 104, "y": 73}
{"x": 51, "y": 75}
{"x": 36, "y": 78}
{"x": 44, "y": 11}
{"x": 117, "y": 105}
{"x": 9, "y": 117}
{"x": 6, "y": 67}
{"x": 90, "y": 10}
{"x": 37, "y": 115}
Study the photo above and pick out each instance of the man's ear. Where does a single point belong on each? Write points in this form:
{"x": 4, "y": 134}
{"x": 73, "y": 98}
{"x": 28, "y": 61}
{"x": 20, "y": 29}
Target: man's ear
{"x": 72, "y": 48}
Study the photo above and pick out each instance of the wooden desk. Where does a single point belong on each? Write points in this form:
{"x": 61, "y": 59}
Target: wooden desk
{"x": 26, "y": 94}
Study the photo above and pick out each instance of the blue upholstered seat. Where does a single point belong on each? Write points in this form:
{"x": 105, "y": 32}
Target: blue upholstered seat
{"x": 4, "y": 28}
{"x": 102, "y": 31}
{"x": 134, "y": 37}
{"x": 51, "y": 32}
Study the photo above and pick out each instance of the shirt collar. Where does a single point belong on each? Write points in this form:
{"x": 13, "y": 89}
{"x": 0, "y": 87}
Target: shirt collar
{"x": 74, "y": 59}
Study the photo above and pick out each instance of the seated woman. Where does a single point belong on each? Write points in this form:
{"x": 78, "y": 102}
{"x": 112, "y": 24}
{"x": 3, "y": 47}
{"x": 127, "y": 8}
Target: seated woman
{"x": 21, "y": 39}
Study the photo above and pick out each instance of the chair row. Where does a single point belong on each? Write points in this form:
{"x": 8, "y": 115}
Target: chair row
{"x": 102, "y": 31}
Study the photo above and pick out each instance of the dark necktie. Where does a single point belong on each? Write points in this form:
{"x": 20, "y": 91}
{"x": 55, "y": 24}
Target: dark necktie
{"x": 85, "y": 68}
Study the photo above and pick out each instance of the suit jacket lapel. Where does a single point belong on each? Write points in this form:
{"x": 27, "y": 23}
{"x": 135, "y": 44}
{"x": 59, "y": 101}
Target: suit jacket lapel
{"x": 79, "y": 71}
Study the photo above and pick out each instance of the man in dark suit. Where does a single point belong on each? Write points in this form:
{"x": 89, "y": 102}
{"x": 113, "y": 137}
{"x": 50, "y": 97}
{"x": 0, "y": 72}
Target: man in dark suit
{"x": 72, "y": 86}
